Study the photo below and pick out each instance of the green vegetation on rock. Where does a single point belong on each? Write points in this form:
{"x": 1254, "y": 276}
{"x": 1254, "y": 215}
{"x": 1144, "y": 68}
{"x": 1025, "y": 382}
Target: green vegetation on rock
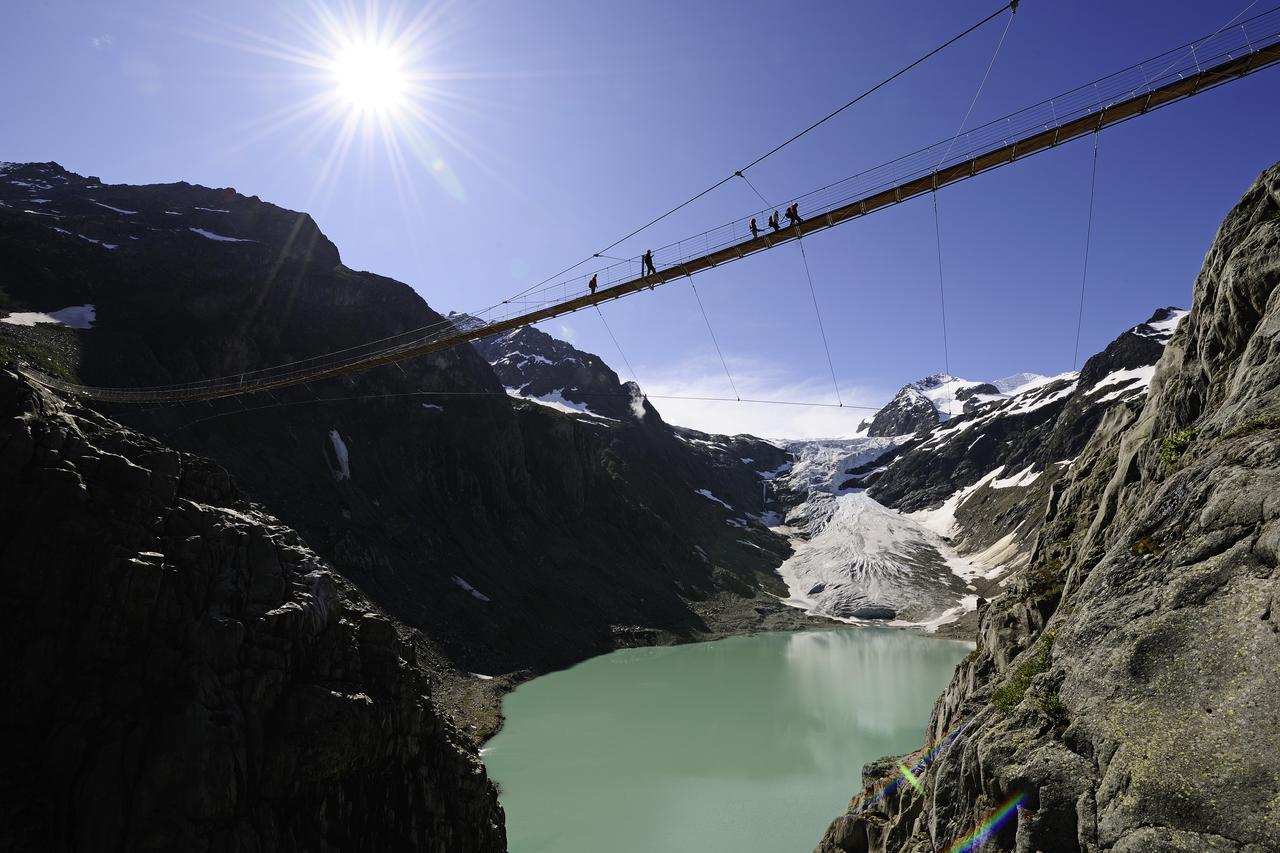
{"x": 1046, "y": 580}
{"x": 1173, "y": 446}
{"x": 1257, "y": 423}
{"x": 1010, "y": 694}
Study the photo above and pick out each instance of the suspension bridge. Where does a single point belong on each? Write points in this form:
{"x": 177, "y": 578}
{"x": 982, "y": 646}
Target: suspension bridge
{"x": 1234, "y": 51}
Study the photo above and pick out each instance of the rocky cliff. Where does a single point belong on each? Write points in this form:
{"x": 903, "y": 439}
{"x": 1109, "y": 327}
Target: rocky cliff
{"x": 925, "y": 403}
{"x": 520, "y": 536}
{"x": 181, "y": 672}
{"x": 1121, "y": 697}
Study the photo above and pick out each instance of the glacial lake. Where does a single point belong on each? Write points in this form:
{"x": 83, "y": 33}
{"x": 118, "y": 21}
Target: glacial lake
{"x": 744, "y": 745}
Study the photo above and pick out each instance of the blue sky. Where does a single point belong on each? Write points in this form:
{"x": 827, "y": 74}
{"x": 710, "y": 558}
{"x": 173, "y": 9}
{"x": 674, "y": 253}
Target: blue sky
{"x": 560, "y": 125}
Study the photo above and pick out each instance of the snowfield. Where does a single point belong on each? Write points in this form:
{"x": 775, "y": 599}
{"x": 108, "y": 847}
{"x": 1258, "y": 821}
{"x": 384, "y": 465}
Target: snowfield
{"x": 858, "y": 561}
{"x": 556, "y": 400}
{"x": 73, "y": 317}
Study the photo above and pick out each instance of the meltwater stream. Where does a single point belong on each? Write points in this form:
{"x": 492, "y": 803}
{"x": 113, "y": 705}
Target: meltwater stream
{"x": 744, "y": 745}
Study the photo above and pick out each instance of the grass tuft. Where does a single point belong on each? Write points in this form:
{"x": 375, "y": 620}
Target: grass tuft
{"x": 1010, "y": 694}
{"x": 1173, "y": 446}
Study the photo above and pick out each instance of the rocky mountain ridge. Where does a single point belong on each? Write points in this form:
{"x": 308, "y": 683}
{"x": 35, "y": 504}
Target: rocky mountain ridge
{"x": 182, "y": 672}
{"x": 519, "y": 537}
{"x": 1119, "y": 698}
{"x": 913, "y": 530}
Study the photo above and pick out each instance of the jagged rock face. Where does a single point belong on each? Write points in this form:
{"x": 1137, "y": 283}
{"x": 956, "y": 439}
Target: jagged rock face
{"x": 516, "y": 536}
{"x": 538, "y": 365}
{"x": 1036, "y": 433}
{"x": 923, "y": 404}
{"x": 909, "y": 411}
{"x": 1125, "y": 684}
{"x": 182, "y": 673}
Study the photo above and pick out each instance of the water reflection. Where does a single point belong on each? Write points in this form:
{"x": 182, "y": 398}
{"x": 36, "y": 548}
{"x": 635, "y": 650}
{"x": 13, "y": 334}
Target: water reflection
{"x": 746, "y": 744}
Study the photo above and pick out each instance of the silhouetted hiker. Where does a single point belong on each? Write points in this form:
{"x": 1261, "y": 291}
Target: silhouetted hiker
{"x": 592, "y": 284}
{"x": 793, "y": 214}
{"x": 755, "y": 229}
{"x": 647, "y": 261}
{"x": 773, "y": 222}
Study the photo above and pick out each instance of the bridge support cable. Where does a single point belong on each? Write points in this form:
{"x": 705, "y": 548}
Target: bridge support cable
{"x": 711, "y": 332}
{"x": 821, "y": 330}
{"x": 942, "y": 298}
{"x": 1012, "y": 6}
{"x": 1232, "y": 53}
{"x": 493, "y": 395}
{"x": 753, "y": 189}
{"x": 634, "y": 377}
{"x": 1088, "y": 239}
{"x": 981, "y": 85}
{"x": 937, "y": 228}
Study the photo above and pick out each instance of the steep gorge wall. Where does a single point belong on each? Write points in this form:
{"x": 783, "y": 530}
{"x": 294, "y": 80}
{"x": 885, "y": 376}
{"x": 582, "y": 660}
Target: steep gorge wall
{"x": 1124, "y": 685}
{"x": 576, "y": 535}
{"x": 181, "y": 672}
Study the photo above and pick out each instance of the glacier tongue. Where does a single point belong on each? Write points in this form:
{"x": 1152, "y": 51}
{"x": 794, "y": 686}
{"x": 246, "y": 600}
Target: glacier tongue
{"x": 857, "y": 560}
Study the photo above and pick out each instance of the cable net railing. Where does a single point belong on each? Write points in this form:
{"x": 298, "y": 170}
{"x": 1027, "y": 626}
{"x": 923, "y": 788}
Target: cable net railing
{"x": 1205, "y": 63}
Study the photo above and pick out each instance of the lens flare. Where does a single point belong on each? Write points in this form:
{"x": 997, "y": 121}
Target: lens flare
{"x": 911, "y": 777}
{"x": 982, "y": 831}
{"x": 919, "y": 761}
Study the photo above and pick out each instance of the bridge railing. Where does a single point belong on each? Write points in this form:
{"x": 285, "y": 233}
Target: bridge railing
{"x": 1203, "y": 63}
{"x": 1145, "y": 77}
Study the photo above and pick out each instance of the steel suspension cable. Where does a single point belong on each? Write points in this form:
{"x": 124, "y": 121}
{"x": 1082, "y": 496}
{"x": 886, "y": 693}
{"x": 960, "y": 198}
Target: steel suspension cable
{"x": 283, "y": 404}
{"x": 937, "y": 228}
{"x": 634, "y": 376}
{"x": 1226, "y": 55}
{"x": 1088, "y": 239}
{"x": 978, "y": 93}
{"x": 711, "y": 331}
{"x": 942, "y": 297}
{"x": 754, "y": 190}
{"x": 1012, "y": 5}
{"x": 818, "y": 313}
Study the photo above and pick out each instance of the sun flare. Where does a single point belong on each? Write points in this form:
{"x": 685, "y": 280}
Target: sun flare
{"x": 370, "y": 77}
{"x": 374, "y": 84}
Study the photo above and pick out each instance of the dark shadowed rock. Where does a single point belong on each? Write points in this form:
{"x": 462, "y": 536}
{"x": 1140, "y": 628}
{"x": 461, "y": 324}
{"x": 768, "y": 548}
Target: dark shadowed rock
{"x": 516, "y": 536}
{"x": 182, "y": 673}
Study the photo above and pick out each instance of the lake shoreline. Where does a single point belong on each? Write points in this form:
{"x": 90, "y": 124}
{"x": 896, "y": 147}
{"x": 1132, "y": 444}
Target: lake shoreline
{"x": 476, "y": 702}
{"x": 744, "y": 742}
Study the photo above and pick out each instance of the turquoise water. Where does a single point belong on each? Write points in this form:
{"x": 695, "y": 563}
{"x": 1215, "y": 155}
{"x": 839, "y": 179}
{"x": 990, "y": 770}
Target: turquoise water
{"x": 745, "y": 745}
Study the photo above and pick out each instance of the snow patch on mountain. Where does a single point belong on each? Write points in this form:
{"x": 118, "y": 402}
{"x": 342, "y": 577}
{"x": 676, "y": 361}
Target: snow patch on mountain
{"x": 73, "y": 317}
{"x": 220, "y": 238}
{"x": 706, "y": 493}
{"x": 343, "y": 469}
{"x": 556, "y": 400}
{"x": 116, "y": 209}
{"x": 942, "y": 520}
{"x": 1161, "y": 326}
{"x": 1130, "y": 380}
{"x": 475, "y": 593}
{"x": 1019, "y": 382}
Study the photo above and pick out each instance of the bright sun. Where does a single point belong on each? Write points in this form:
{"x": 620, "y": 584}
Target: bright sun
{"x": 370, "y": 77}
{"x": 373, "y": 85}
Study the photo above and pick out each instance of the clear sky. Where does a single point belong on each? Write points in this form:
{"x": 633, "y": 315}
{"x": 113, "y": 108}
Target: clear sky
{"x": 550, "y": 128}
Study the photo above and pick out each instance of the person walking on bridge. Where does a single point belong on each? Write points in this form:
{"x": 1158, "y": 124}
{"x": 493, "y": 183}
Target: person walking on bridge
{"x": 592, "y": 284}
{"x": 793, "y": 213}
{"x": 646, "y": 261}
{"x": 773, "y": 222}
{"x": 755, "y": 229}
